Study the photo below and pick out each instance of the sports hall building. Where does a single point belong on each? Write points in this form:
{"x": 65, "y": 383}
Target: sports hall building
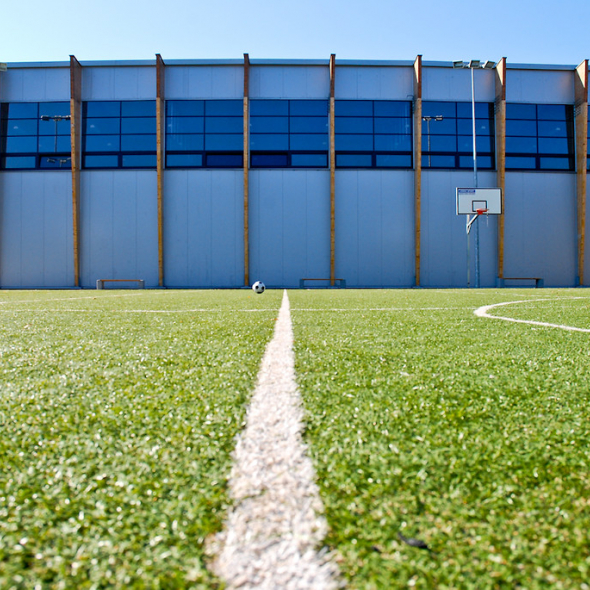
{"x": 206, "y": 174}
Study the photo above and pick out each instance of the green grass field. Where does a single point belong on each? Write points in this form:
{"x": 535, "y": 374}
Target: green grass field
{"x": 118, "y": 413}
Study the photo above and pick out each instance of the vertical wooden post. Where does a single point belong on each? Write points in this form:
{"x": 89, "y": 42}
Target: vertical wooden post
{"x": 417, "y": 165}
{"x": 581, "y": 117}
{"x": 246, "y": 169}
{"x": 76, "y": 156}
{"x": 332, "y": 128}
{"x": 500, "y": 109}
{"x": 160, "y": 126}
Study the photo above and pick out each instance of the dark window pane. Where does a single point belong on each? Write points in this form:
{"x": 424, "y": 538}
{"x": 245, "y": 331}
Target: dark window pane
{"x": 546, "y": 163}
{"x": 184, "y": 160}
{"x": 521, "y": 111}
{"x": 51, "y": 127}
{"x": 13, "y": 162}
{"x": 354, "y": 124}
{"x": 15, "y": 145}
{"x": 354, "y": 160}
{"x": 49, "y": 144}
{"x": 58, "y": 161}
{"x": 103, "y": 109}
{"x": 482, "y": 127}
{"x": 224, "y": 125}
{"x": 224, "y": 160}
{"x": 354, "y": 143}
{"x": 393, "y": 161}
{"x": 445, "y": 127}
{"x": 222, "y": 108}
{"x": 138, "y": 125}
{"x": 101, "y": 161}
{"x": 484, "y": 144}
{"x": 304, "y": 142}
{"x": 554, "y": 129}
{"x": 393, "y": 143}
{"x": 521, "y": 145}
{"x": 185, "y": 125}
{"x": 269, "y": 107}
{"x": 279, "y": 142}
{"x": 439, "y": 143}
{"x": 185, "y": 108}
{"x": 185, "y": 143}
{"x": 524, "y": 128}
{"x": 483, "y": 162}
{"x": 521, "y": 162}
{"x": 559, "y": 112}
{"x": 138, "y": 108}
{"x": 388, "y": 108}
{"x": 269, "y": 124}
{"x": 398, "y": 126}
{"x": 438, "y": 161}
{"x": 432, "y": 109}
{"x": 23, "y": 110}
{"x": 483, "y": 110}
{"x": 102, "y": 126}
{"x": 354, "y": 108}
{"x": 102, "y": 143}
{"x": 224, "y": 142}
{"x": 138, "y": 143}
{"x": 309, "y": 124}
{"x": 139, "y": 161}
{"x": 554, "y": 146}
{"x": 21, "y": 127}
{"x": 54, "y": 109}
{"x": 309, "y": 160}
{"x": 269, "y": 160}
{"x": 309, "y": 107}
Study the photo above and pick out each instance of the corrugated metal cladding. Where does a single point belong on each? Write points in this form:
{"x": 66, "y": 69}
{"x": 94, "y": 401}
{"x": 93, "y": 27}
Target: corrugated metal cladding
{"x": 288, "y": 225}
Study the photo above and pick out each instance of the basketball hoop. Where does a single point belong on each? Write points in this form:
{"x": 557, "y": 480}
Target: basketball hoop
{"x": 481, "y": 211}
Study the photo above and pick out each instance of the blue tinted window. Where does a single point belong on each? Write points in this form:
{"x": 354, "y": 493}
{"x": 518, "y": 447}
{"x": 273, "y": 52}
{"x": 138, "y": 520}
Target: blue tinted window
{"x": 224, "y": 125}
{"x": 16, "y": 145}
{"x": 354, "y": 108}
{"x": 53, "y": 127}
{"x": 522, "y": 145}
{"x": 444, "y": 109}
{"x": 269, "y": 124}
{"x": 354, "y": 124}
{"x": 101, "y": 161}
{"x": 521, "y": 162}
{"x": 309, "y": 125}
{"x": 313, "y": 143}
{"x": 483, "y": 162}
{"x": 555, "y": 163}
{"x": 138, "y": 108}
{"x": 482, "y": 127}
{"x": 138, "y": 125}
{"x": 555, "y": 112}
{"x": 58, "y": 161}
{"x": 526, "y": 128}
{"x": 483, "y": 110}
{"x": 224, "y": 160}
{"x": 138, "y": 143}
{"x": 102, "y": 126}
{"x": 395, "y": 126}
{"x": 393, "y": 161}
{"x": 393, "y": 143}
{"x": 270, "y": 160}
{"x": 483, "y": 143}
{"x": 52, "y": 109}
{"x": 184, "y": 160}
{"x": 354, "y": 160}
{"x": 23, "y": 110}
{"x": 349, "y": 143}
{"x": 554, "y": 129}
{"x": 269, "y": 142}
{"x": 185, "y": 125}
{"x": 309, "y": 160}
{"x": 139, "y": 161}
{"x": 21, "y": 127}
{"x": 185, "y": 108}
{"x": 269, "y": 108}
{"x": 437, "y": 161}
{"x": 103, "y": 109}
{"x": 224, "y": 108}
{"x": 312, "y": 108}
{"x": 224, "y": 142}
{"x": 554, "y": 146}
{"x": 445, "y": 127}
{"x": 54, "y": 144}
{"x": 16, "y": 162}
{"x": 521, "y": 111}
{"x": 102, "y": 143}
{"x": 440, "y": 143}
{"x": 185, "y": 143}
{"x": 388, "y": 108}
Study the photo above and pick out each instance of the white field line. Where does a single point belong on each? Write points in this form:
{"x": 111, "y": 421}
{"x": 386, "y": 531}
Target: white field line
{"x": 483, "y": 312}
{"x": 277, "y": 522}
{"x": 165, "y": 311}
{"x": 40, "y": 300}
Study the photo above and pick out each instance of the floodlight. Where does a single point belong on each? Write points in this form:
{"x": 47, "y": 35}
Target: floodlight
{"x": 474, "y": 63}
{"x": 3, "y": 67}
{"x": 45, "y": 118}
{"x": 488, "y": 65}
{"x": 458, "y": 63}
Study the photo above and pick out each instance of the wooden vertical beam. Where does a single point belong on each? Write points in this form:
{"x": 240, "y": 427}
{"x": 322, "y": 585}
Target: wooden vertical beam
{"x": 160, "y": 146}
{"x": 417, "y": 166}
{"x": 332, "y": 132}
{"x": 76, "y": 156}
{"x": 581, "y": 122}
{"x": 500, "y": 111}
{"x": 246, "y": 169}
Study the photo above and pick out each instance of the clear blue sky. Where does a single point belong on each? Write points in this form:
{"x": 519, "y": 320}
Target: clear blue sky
{"x": 523, "y": 31}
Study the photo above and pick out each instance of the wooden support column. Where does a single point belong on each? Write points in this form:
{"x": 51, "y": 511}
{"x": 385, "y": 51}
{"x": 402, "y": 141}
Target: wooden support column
{"x": 246, "y": 169}
{"x": 332, "y": 132}
{"x": 76, "y": 156}
{"x": 417, "y": 165}
{"x": 581, "y": 122}
{"x": 160, "y": 127}
{"x": 500, "y": 111}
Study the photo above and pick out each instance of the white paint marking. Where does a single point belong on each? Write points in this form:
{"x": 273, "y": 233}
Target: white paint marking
{"x": 483, "y": 312}
{"x": 277, "y": 522}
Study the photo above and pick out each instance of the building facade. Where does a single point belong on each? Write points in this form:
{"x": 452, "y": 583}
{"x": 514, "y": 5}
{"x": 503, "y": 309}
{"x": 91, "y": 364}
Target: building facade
{"x": 213, "y": 174}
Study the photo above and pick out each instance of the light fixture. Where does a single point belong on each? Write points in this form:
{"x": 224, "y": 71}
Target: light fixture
{"x": 458, "y": 63}
{"x": 474, "y": 63}
{"x": 3, "y": 67}
{"x": 489, "y": 65}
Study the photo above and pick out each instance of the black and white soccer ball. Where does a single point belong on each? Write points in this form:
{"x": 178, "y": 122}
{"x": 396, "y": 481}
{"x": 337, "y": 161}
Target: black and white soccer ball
{"x": 258, "y": 287}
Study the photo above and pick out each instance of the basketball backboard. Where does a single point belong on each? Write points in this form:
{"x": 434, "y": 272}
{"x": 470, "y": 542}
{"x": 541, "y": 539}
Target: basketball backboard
{"x": 472, "y": 200}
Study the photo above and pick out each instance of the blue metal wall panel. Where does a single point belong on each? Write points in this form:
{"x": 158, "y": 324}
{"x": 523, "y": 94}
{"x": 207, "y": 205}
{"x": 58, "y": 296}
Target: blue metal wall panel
{"x": 203, "y": 228}
{"x": 378, "y": 83}
{"x": 35, "y": 85}
{"x": 119, "y": 83}
{"x": 540, "y": 86}
{"x": 375, "y": 228}
{"x": 289, "y": 226}
{"x": 587, "y": 239}
{"x": 36, "y": 230}
{"x": 540, "y": 227}
{"x": 449, "y": 84}
{"x": 220, "y": 82}
{"x": 289, "y": 82}
{"x": 119, "y": 227}
{"x": 444, "y": 239}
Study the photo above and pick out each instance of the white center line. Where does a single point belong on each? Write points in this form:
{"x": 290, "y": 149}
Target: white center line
{"x": 276, "y": 526}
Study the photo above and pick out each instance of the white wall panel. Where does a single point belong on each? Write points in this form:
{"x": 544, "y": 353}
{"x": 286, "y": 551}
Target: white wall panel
{"x": 203, "y": 228}
{"x": 204, "y": 82}
{"x": 375, "y": 228}
{"x": 119, "y": 227}
{"x": 540, "y": 86}
{"x": 377, "y": 83}
{"x": 36, "y": 230}
{"x": 289, "y": 82}
{"x": 289, "y": 226}
{"x": 119, "y": 83}
{"x": 455, "y": 84}
{"x": 35, "y": 85}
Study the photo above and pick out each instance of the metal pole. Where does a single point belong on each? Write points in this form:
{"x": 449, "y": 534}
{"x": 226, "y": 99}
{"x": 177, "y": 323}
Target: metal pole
{"x": 477, "y": 282}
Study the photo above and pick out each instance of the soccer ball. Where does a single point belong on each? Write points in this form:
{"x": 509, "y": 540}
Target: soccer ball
{"x": 258, "y": 287}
